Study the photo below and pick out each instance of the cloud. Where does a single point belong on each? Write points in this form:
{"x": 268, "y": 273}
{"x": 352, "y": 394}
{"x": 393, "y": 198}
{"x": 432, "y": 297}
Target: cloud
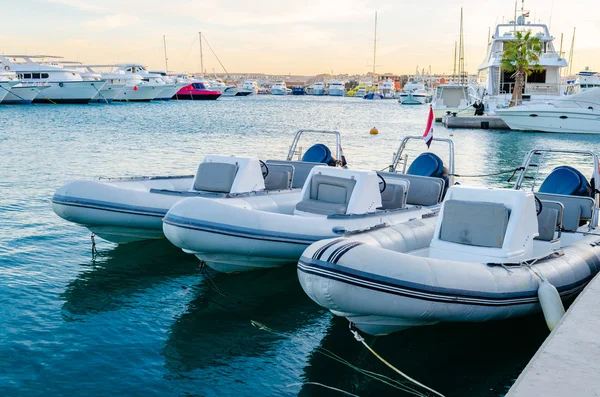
{"x": 114, "y": 21}
{"x": 80, "y": 5}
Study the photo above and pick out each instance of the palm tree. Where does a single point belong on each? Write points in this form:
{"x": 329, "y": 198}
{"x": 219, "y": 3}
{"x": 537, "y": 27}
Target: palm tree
{"x": 521, "y": 56}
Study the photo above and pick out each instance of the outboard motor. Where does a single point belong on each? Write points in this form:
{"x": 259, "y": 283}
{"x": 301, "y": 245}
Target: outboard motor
{"x": 319, "y": 153}
{"x": 568, "y": 181}
{"x": 429, "y": 164}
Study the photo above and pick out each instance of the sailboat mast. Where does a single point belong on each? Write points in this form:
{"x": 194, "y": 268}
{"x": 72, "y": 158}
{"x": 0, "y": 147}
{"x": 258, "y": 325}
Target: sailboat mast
{"x": 166, "y": 59}
{"x": 201, "y": 57}
{"x": 571, "y": 53}
{"x": 454, "y": 70}
{"x": 461, "y": 51}
{"x": 375, "y": 45}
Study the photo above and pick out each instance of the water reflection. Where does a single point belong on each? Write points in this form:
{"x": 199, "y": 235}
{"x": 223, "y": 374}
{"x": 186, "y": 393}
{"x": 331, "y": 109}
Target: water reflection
{"x": 479, "y": 359}
{"x": 216, "y": 331}
{"x": 113, "y": 278}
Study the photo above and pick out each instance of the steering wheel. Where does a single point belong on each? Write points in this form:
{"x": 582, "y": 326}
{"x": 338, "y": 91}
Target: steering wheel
{"x": 539, "y": 206}
{"x": 264, "y": 169}
{"x": 382, "y": 184}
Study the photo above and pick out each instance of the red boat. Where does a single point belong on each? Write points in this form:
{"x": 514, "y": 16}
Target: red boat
{"x": 197, "y": 91}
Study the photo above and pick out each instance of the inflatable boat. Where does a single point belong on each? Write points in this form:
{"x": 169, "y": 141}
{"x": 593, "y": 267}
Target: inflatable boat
{"x": 124, "y": 210}
{"x": 333, "y": 202}
{"x": 491, "y": 254}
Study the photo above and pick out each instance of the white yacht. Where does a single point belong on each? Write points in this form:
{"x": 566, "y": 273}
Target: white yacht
{"x": 224, "y": 88}
{"x": 337, "y": 88}
{"x": 573, "y": 114}
{"x": 164, "y": 90}
{"x": 388, "y": 89}
{"x": 454, "y": 98}
{"x": 135, "y": 88}
{"x": 13, "y": 91}
{"x": 250, "y": 86}
{"x": 7, "y": 81}
{"x": 279, "y": 88}
{"x": 64, "y": 85}
{"x": 363, "y": 89}
{"x": 171, "y": 79}
{"x": 110, "y": 90}
{"x": 540, "y": 86}
{"x": 414, "y": 93}
{"x": 587, "y": 79}
{"x": 318, "y": 88}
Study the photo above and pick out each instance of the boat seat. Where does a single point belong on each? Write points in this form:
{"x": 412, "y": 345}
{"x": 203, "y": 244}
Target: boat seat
{"x": 301, "y": 170}
{"x": 549, "y": 219}
{"x": 215, "y": 177}
{"x": 424, "y": 190}
{"x": 328, "y": 195}
{"x": 577, "y": 209}
{"x": 481, "y": 224}
{"x": 279, "y": 177}
{"x": 394, "y": 196}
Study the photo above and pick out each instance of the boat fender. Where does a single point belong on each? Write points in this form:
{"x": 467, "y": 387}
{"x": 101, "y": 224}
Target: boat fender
{"x": 551, "y": 304}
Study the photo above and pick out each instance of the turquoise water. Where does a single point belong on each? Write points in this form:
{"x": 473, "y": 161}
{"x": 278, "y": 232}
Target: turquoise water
{"x": 144, "y": 319}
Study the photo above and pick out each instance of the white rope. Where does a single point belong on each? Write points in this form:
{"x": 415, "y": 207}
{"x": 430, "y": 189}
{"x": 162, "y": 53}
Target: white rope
{"x": 329, "y": 354}
{"x": 359, "y": 338}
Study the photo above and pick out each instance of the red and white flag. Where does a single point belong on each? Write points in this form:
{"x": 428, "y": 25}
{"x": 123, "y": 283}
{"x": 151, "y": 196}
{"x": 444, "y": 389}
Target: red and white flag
{"x": 428, "y": 135}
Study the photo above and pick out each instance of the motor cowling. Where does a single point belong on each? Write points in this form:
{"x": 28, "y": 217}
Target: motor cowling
{"x": 428, "y": 164}
{"x": 568, "y": 181}
{"x": 319, "y": 153}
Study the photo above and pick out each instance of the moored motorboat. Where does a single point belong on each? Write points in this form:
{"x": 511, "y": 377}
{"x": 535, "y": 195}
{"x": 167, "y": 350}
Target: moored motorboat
{"x": 197, "y": 91}
{"x": 491, "y": 254}
{"x": 124, "y": 210}
{"x": 333, "y": 202}
{"x": 571, "y": 114}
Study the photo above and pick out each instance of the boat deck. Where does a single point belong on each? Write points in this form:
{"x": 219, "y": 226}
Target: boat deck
{"x": 476, "y": 122}
{"x": 567, "y": 363}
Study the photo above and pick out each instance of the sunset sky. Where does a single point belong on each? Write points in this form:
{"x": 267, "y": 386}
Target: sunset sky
{"x": 281, "y": 37}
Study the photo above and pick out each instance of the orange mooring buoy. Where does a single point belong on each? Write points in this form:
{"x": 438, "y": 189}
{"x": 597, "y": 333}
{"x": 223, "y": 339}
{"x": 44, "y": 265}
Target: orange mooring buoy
{"x": 374, "y": 131}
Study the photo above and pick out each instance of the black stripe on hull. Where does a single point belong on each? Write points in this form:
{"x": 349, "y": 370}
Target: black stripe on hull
{"x": 412, "y": 293}
{"x": 197, "y": 97}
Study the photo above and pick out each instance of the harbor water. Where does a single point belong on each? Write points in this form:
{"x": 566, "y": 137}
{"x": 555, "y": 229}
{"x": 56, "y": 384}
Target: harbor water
{"x": 145, "y": 319}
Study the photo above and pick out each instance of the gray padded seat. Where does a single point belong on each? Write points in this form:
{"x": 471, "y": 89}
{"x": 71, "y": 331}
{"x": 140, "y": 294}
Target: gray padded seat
{"x": 550, "y": 217}
{"x": 393, "y": 197}
{"x": 576, "y": 208}
{"x": 301, "y": 170}
{"x": 215, "y": 177}
{"x": 328, "y": 195}
{"x": 279, "y": 177}
{"x": 423, "y": 190}
{"x": 482, "y": 224}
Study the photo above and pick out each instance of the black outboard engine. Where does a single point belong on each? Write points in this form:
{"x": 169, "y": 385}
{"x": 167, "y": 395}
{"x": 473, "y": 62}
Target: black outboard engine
{"x": 429, "y": 164}
{"x": 568, "y": 181}
{"x": 319, "y": 153}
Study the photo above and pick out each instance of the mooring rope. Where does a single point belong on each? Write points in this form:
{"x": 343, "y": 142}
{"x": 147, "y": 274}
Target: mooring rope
{"x": 359, "y": 338}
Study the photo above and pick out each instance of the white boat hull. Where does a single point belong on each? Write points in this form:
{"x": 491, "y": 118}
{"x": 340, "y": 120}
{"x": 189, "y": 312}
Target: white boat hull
{"x": 377, "y": 286}
{"x": 69, "y": 92}
{"x": 22, "y": 94}
{"x": 108, "y": 93}
{"x": 277, "y": 91}
{"x": 235, "y": 238}
{"x": 132, "y": 209}
{"x": 336, "y": 92}
{"x": 413, "y": 99}
{"x": 167, "y": 92}
{"x": 318, "y": 92}
{"x": 570, "y": 121}
{"x": 136, "y": 93}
